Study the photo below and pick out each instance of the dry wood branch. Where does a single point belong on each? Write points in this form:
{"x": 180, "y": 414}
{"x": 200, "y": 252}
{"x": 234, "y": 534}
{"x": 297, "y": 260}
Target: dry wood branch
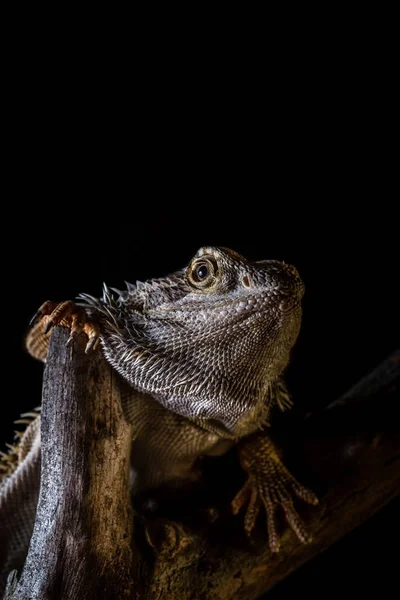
{"x": 81, "y": 542}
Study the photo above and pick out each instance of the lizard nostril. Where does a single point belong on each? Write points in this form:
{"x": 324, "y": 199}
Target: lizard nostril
{"x": 246, "y": 281}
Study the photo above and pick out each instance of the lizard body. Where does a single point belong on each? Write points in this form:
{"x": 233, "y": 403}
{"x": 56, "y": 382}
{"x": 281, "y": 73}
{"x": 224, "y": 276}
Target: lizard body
{"x": 203, "y": 352}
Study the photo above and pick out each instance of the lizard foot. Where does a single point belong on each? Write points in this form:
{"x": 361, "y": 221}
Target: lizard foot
{"x": 167, "y": 538}
{"x": 270, "y": 484}
{"x": 68, "y": 314}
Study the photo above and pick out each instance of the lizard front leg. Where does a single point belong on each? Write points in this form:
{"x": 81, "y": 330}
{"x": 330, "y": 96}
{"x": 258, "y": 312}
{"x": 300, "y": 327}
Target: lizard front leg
{"x": 66, "y": 314}
{"x": 269, "y": 484}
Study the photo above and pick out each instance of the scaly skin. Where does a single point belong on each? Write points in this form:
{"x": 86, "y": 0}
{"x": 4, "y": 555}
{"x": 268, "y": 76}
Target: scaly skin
{"x": 203, "y": 352}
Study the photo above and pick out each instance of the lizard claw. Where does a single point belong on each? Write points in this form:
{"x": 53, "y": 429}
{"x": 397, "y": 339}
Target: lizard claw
{"x": 68, "y": 314}
{"x": 270, "y": 484}
{"x": 45, "y": 309}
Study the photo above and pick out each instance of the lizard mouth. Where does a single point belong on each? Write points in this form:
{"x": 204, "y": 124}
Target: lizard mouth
{"x": 252, "y": 304}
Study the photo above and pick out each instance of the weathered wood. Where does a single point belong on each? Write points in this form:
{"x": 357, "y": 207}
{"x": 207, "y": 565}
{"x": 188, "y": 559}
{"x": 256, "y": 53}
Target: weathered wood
{"x": 81, "y": 543}
{"x": 348, "y": 453}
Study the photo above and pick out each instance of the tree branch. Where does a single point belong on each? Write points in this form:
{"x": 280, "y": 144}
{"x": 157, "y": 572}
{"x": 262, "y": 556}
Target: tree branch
{"x": 81, "y": 543}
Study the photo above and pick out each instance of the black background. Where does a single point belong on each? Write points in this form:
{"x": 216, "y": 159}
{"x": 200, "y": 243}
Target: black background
{"x": 114, "y": 174}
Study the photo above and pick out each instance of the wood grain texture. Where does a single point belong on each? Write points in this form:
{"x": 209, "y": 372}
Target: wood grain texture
{"x": 81, "y": 543}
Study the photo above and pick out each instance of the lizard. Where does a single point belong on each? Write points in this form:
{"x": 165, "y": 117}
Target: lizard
{"x": 204, "y": 351}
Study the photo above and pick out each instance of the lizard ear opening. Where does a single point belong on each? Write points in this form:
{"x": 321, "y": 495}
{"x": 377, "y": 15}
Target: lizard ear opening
{"x": 203, "y": 272}
{"x": 246, "y": 281}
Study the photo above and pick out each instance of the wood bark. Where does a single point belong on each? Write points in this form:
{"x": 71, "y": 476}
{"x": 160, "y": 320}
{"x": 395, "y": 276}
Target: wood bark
{"x": 81, "y": 543}
{"x": 83, "y": 547}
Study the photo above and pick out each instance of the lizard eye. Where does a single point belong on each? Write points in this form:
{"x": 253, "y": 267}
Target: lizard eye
{"x": 202, "y": 272}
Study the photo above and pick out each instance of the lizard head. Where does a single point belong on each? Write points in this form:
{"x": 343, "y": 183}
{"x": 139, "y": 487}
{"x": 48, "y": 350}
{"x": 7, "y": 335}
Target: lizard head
{"x": 211, "y": 340}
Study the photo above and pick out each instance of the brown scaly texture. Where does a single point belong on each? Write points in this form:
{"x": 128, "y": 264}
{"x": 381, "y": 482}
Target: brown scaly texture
{"x": 203, "y": 351}
{"x": 19, "y": 494}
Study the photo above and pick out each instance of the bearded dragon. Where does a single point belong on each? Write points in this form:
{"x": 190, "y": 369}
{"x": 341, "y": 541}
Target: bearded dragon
{"x": 203, "y": 351}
